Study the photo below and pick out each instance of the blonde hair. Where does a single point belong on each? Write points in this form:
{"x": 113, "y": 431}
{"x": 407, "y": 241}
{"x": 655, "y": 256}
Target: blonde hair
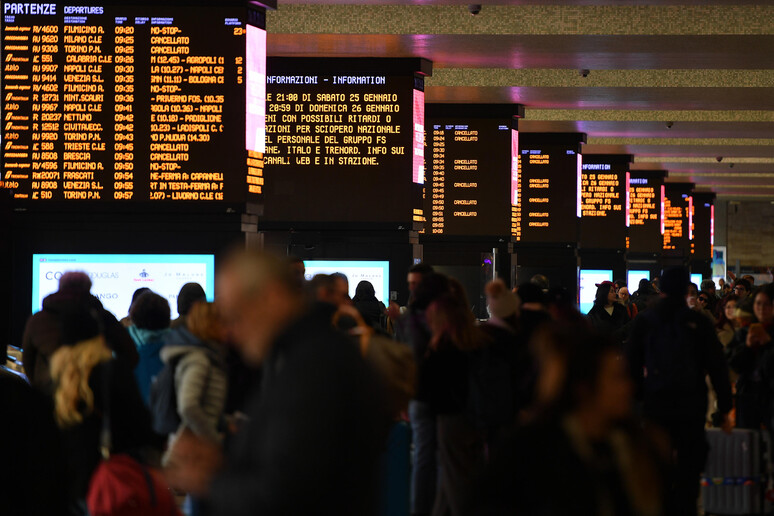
{"x": 71, "y": 367}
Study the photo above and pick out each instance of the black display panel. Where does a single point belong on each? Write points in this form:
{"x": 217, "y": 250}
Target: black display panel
{"x": 547, "y": 206}
{"x": 678, "y": 207}
{"x": 124, "y": 103}
{"x": 344, "y": 140}
{"x": 470, "y": 164}
{"x": 604, "y": 201}
{"x": 703, "y": 225}
{"x": 646, "y": 204}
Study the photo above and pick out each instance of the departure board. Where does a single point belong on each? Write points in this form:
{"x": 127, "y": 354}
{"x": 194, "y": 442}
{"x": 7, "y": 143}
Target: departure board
{"x": 344, "y": 140}
{"x": 646, "y": 205}
{"x": 678, "y": 219}
{"x": 604, "y": 201}
{"x": 128, "y": 103}
{"x": 547, "y": 188}
{"x": 469, "y": 163}
{"x": 703, "y": 225}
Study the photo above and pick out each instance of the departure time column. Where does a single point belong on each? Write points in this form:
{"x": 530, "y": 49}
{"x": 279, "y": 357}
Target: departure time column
{"x": 123, "y": 117}
{"x": 439, "y": 179}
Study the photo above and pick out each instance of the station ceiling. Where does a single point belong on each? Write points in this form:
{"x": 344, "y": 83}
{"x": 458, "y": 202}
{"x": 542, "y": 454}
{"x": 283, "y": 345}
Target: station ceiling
{"x": 677, "y": 84}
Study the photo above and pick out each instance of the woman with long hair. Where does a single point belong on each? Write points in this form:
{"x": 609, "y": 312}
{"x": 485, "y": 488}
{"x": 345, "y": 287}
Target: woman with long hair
{"x": 727, "y": 324}
{"x": 85, "y": 374}
{"x": 607, "y": 316}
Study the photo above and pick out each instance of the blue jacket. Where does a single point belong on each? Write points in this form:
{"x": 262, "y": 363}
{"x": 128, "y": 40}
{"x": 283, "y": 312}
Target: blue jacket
{"x": 149, "y": 344}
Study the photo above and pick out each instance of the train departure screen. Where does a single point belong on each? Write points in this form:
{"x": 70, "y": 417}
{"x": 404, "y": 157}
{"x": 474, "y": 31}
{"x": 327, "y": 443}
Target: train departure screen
{"x": 678, "y": 207}
{"x": 344, "y": 142}
{"x": 547, "y": 202}
{"x": 125, "y": 103}
{"x": 469, "y": 161}
{"x": 604, "y": 201}
{"x": 646, "y": 205}
{"x": 703, "y": 225}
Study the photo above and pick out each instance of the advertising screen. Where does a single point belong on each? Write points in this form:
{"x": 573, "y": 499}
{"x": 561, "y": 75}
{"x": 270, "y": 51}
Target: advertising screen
{"x": 633, "y": 278}
{"x": 377, "y": 272}
{"x": 115, "y": 277}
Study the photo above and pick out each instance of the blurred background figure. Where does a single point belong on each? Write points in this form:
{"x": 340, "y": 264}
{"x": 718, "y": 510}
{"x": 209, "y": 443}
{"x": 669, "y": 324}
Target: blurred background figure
{"x": 727, "y": 323}
{"x": 742, "y": 288}
{"x": 86, "y": 375}
{"x": 645, "y": 295}
{"x": 127, "y": 321}
{"x": 694, "y": 303}
{"x": 189, "y": 294}
{"x": 341, "y": 288}
{"x": 671, "y": 350}
{"x": 541, "y": 281}
{"x": 607, "y": 316}
{"x": 751, "y": 356}
{"x": 708, "y": 287}
{"x": 314, "y": 431}
{"x": 197, "y": 357}
{"x": 43, "y": 332}
{"x": 297, "y": 270}
{"x": 372, "y": 310}
{"x": 150, "y": 315}
{"x": 584, "y": 452}
{"x": 625, "y": 299}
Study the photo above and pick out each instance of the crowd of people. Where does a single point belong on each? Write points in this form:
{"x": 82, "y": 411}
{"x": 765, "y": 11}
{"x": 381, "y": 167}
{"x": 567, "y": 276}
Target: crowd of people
{"x": 281, "y": 396}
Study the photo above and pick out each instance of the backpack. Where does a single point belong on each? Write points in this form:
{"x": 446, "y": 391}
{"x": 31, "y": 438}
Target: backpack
{"x": 163, "y": 399}
{"x": 672, "y": 358}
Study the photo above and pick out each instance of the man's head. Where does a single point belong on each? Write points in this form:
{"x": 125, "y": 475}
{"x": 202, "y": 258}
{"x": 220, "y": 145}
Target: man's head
{"x": 415, "y": 275}
{"x": 297, "y": 269}
{"x": 674, "y": 282}
{"x": 76, "y": 282}
{"x": 750, "y": 279}
{"x": 258, "y": 296}
{"x": 340, "y": 288}
{"x": 708, "y": 286}
{"x": 623, "y": 294}
{"x": 541, "y": 281}
{"x": 150, "y": 311}
{"x": 742, "y": 288}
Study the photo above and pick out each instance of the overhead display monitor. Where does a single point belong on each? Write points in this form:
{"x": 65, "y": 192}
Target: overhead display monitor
{"x": 703, "y": 225}
{"x": 678, "y": 219}
{"x": 547, "y": 203}
{"x": 604, "y": 200}
{"x": 344, "y": 140}
{"x": 471, "y": 153}
{"x": 633, "y": 278}
{"x": 375, "y": 271}
{"x": 646, "y": 208}
{"x": 696, "y": 278}
{"x": 589, "y": 279}
{"x": 115, "y": 277}
{"x": 125, "y": 103}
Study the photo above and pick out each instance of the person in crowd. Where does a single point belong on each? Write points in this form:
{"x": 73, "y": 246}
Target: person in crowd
{"x": 150, "y": 315}
{"x": 541, "y": 281}
{"x": 607, "y": 316}
{"x": 316, "y": 428}
{"x": 341, "y": 283}
{"x": 372, "y": 310}
{"x": 655, "y": 283}
{"x": 31, "y": 479}
{"x": 645, "y": 295}
{"x": 742, "y": 288}
{"x": 461, "y": 443}
{"x": 751, "y": 356}
{"x": 708, "y": 288}
{"x": 749, "y": 279}
{"x": 694, "y": 302}
{"x": 533, "y": 309}
{"x": 127, "y": 321}
{"x": 721, "y": 283}
{"x": 42, "y": 334}
{"x": 322, "y": 289}
{"x": 86, "y": 376}
{"x": 619, "y": 284}
{"x": 727, "y": 323}
{"x": 297, "y": 269}
{"x": 670, "y": 352}
{"x": 189, "y": 294}
{"x": 726, "y": 289}
{"x": 201, "y": 381}
{"x": 625, "y": 299}
{"x": 394, "y": 311}
{"x": 584, "y": 453}
{"x": 562, "y": 306}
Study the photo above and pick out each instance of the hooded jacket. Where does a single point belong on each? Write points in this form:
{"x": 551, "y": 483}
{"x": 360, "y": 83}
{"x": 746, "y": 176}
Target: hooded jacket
{"x": 201, "y": 382}
{"x": 43, "y": 335}
{"x": 149, "y": 344}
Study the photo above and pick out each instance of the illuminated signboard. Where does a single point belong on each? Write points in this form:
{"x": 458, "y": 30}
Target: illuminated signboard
{"x": 547, "y": 201}
{"x": 645, "y": 207}
{"x": 604, "y": 200}
{"x": 469, "y": 168}
{"x": 130, "y": 103}
{"x": 703, "y": 224}
{"x": 344, "y": 140}
{"x": 678, "y": 205}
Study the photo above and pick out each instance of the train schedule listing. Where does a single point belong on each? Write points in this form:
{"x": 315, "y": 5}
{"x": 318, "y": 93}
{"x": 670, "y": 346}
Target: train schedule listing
{"x": 123, "y": 103}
